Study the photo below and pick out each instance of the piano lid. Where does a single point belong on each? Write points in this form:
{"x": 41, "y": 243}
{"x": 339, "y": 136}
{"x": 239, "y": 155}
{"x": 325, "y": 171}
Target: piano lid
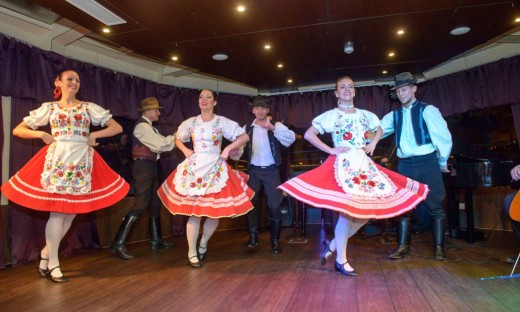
{"x": 472, "y": 171}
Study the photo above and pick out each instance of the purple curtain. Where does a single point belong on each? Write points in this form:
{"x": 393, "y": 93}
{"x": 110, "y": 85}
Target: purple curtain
{"x": 489, "y": 85}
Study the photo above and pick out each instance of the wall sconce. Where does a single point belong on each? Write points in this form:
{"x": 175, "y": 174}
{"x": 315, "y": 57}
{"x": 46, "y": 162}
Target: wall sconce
{"x": 348, "y": 48}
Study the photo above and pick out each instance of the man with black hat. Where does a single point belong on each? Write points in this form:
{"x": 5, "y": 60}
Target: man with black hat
{"x": 146, "y": 146}
{"x": 423, "y": 144}
{"x": 266, "y": 140}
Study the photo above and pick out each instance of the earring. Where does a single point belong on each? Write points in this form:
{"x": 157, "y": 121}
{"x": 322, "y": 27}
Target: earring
{"x": 57, "y": 93}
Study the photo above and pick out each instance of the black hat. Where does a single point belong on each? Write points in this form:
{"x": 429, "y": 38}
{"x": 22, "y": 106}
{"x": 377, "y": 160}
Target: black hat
{"x": 404, "y": 79}
{"x": 260, "y": 101}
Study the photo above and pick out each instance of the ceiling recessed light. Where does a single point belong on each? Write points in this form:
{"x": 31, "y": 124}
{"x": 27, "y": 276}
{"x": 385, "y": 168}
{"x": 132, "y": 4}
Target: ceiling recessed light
{"x": 391, "y": 54}
{"x": 106, "y": 30}
{"x": 280, "y": 65}
{"x": 220, "y": 57}
{"x": 241, "y": 8}
{"x": 460, "y": 30}
{"x": 384, "y": 72}
{"x": 174, "y": 58}
{"x": 400, "y": 32}
{"x": 289, "y": 80}
{"x": 267, "y": 46}
{"x": 517, "y": 20}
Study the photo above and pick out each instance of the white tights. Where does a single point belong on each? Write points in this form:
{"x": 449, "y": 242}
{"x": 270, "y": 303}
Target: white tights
{"x": 192, "y": 233}
{"x": 56, "y": 228}
{"x": 345, "y": 228}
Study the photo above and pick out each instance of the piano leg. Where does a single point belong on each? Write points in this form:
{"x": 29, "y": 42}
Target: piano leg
{"x": 470, "y": 236}
{"x": 453, "y": 213}
{"x": 300, "y": 221}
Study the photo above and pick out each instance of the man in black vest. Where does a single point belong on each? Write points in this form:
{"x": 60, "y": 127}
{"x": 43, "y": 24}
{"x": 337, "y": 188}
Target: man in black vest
{"x": 266, "y": 140}
{"x": 146, "y": 146}
{"x": 423, "y": 146}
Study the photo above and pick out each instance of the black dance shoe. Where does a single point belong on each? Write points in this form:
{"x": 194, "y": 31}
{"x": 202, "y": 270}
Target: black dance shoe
{"x": 340, "y": 268}
{"x": 194, "y": 264}
{"x": 511, "y": 260}
{"x": 42, "y": 272}
{"x": 60, "y": 279}
{"x": 202, "y": 255}
{"x": 324, "y": 251}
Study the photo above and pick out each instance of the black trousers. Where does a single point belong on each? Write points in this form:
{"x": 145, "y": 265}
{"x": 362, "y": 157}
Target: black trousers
{"x": 268, "y": 179}
{"x": 146, "y": 185}
{"x": 425, "y": 169}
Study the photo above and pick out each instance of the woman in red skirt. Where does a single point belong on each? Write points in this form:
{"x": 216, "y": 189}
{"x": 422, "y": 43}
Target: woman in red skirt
{"x": 204, "y": 185}
{"x": 67, "y": 176}
{"x": 349, "y": 182}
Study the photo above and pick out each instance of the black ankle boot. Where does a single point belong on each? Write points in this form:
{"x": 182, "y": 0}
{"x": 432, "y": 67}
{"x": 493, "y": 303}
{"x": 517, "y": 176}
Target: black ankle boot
{"x": 404, "y": 238}
{"x": 275, "y": 247}
{"x": 438, "y": 238}
{"x": 156, "y": 240}
{"x": 253, "y": 240}
{"x": 118, "y": 246}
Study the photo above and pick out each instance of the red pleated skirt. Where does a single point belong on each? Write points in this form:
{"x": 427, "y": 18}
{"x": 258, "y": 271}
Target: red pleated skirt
{"x": 24, "y": 188}
{"x": 232, "y": 201}
{"x": 319, "y": 189}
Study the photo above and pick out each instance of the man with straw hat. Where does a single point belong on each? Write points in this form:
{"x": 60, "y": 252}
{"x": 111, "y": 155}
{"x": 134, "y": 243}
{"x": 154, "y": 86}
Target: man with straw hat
{"x": 147, "y": 145}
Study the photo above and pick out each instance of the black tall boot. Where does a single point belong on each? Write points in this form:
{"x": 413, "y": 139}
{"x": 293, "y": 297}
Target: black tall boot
{"x": 275, "y": 227}
{"x": 156, "y": 240}
{"x": 252, "y": 222}
{"x": 118, "y": 246}
{"x": 403, "y": 239}
{"x": 438, "y": 238}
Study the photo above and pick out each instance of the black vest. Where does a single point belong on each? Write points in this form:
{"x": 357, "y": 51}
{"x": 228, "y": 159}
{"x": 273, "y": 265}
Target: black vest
{"x": 420, "y": 129}
{"x": 139, "y": 150}
{"x": 273, "y": 143}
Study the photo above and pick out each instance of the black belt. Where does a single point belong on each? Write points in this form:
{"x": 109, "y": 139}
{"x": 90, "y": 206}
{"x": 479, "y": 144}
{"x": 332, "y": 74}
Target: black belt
{"x": 263, "y": 167}
{"x": 418, "y": 156}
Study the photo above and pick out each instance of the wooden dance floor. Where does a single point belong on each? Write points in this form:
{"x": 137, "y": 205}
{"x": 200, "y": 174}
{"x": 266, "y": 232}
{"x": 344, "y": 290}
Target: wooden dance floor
{"x": 236, "y": 279}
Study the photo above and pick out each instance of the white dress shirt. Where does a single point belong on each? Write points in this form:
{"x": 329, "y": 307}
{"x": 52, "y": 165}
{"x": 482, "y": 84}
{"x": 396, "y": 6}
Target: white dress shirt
{"x": 437, "y": 127}
{"x": 151, "y": 138}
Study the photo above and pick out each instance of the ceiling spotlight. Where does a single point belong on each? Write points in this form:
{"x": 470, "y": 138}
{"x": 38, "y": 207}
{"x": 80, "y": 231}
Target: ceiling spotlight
{"x": 348, "y": 48}
{"x": 220, "y": 57}
{"x": 460, "y": 30}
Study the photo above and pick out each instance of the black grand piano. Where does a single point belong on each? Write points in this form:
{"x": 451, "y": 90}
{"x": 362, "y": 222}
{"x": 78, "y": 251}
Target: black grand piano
{"x": 467, "y": 173}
